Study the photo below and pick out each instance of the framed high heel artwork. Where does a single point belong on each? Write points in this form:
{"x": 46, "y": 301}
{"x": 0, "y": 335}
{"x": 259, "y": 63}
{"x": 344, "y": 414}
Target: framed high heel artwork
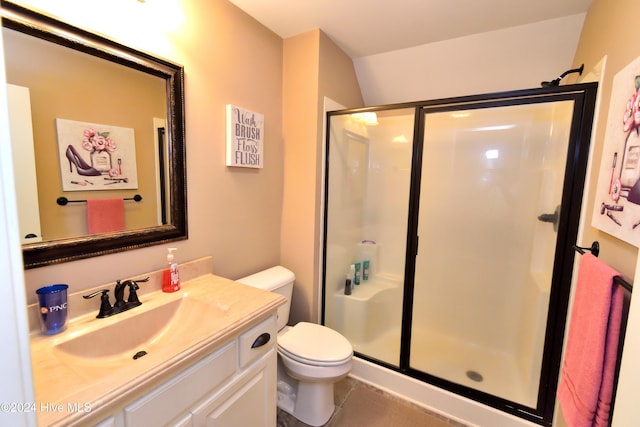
{"x": 616, "y": 208}
{"x": 96, "y": 156}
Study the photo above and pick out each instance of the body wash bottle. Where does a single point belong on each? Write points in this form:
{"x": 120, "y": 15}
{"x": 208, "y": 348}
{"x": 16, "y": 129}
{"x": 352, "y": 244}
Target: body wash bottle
{"x": 171, "y": 276}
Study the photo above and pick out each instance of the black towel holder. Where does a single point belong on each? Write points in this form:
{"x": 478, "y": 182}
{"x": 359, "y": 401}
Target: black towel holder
{"x": 62, "y": 201}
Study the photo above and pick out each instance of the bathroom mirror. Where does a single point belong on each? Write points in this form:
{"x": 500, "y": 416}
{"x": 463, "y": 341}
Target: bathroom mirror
{"x": 158, "y": 142}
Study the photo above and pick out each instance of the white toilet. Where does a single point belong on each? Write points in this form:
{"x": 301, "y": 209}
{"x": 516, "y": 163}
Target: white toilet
{"x": 311, "y": 357}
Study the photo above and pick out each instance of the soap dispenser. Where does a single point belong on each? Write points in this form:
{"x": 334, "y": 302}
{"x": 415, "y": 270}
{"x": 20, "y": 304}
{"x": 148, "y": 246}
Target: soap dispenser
{"x": 171, "y": 277}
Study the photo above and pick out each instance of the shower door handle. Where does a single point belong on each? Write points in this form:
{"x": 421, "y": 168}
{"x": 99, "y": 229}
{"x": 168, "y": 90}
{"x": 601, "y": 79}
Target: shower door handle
{"x": 553, "y": 218}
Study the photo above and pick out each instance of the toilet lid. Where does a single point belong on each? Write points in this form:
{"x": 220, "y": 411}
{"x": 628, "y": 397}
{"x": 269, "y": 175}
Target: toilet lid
{"x": 315, "y": 344}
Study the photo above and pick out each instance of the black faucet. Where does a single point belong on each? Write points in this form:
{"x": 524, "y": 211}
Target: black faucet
{"x": 120, "y": 305}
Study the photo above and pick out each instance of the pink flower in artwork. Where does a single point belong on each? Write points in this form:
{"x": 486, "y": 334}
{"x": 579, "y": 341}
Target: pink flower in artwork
{"x": 628, "y": 119}
{"x": 98, "y": 141}
{"x": 636, "y": 110}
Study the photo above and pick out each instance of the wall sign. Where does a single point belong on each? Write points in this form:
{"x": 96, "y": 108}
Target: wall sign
{"x": 245, "y": 137}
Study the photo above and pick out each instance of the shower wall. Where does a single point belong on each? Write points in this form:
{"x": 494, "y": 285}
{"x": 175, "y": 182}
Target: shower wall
{"x": 387, "y": 201}
{"x": 478, "y": 189}
{"x": 484, "y": 264}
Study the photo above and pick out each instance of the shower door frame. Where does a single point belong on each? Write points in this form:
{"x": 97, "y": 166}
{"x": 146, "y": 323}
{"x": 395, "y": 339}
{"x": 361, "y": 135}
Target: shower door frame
{"x": 584, "y": 97}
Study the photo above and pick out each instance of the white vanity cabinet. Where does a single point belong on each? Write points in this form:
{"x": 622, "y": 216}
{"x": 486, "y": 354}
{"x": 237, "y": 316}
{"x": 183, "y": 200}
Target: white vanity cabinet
{"x": 249, "y": 400}
{"x": 235, "y": 385}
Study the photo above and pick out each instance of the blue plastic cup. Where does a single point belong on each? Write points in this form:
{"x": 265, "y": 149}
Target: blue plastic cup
{"x": 53, "y": 308}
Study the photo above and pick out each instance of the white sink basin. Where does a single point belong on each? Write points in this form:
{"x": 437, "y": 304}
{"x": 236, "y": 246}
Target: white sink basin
{"x": 138, "y": 332}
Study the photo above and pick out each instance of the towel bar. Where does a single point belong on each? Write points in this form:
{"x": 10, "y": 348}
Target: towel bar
{"x": 62, "y": 201}
{"x": 595, "y": 250}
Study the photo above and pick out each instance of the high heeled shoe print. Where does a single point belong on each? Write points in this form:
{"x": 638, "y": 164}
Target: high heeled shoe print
{"x": 82, "y": 167}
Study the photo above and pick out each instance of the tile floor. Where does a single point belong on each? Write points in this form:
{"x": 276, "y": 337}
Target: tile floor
{"x": 359, "y": 404}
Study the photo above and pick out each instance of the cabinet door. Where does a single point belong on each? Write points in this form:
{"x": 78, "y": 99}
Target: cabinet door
{"x": 248, "y": 401}
{"x": 177, "y": 396}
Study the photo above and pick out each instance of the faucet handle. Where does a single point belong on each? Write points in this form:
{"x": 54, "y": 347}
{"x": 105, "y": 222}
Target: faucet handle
{"x": 105, "y": 306}
{"x": 91, "y": 295}
{"x": 133, "y": 300}
{"x": 118, "y": 293}
{"x": 132, "y": 282}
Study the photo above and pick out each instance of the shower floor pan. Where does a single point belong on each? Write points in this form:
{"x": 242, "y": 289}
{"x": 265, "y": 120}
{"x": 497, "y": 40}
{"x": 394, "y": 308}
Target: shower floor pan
{"x": 483, "y": 369}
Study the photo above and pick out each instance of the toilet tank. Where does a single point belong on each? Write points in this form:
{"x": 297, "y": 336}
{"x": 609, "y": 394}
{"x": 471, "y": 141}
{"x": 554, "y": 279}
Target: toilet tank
{"x": 275, "y": 279}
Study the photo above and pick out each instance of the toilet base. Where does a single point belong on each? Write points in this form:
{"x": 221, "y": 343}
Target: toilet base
{"x": 314, "y": 404}
{"x": 311, "y": 403}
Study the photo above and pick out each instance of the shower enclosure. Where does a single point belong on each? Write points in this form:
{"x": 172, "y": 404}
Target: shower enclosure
{"x": 459, "y": 217}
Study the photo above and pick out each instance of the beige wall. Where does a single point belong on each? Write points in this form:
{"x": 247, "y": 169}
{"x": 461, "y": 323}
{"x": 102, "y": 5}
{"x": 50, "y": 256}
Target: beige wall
{"x": 300, "y": 94}
{"x": 234, "y": 214}
{"x": 314, "y": 67}
{"x": 606, "y": 32}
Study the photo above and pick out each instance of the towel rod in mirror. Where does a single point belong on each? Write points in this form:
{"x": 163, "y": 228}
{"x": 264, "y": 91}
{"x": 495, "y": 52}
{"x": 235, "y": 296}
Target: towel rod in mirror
{"x": 62, "y": 201}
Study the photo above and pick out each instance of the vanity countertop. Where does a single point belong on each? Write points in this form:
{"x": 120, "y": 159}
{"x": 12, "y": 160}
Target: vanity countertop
{"x": 70, "y": 390}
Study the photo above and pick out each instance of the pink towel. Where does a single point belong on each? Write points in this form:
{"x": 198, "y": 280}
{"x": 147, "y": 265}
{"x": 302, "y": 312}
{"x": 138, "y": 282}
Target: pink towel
{"x": 586, "y": 383}
{"x": 105, "y": 215}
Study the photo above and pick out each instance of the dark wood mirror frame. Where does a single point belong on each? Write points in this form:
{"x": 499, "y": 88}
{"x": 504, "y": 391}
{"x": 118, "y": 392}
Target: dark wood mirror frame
{"x": 44, "y": 27}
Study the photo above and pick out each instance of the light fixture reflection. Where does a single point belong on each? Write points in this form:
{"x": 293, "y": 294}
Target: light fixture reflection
{"x": 400, "y": 139}
{"x": 492, "y": 154}
{"x": 490, "y": 128}
{"x": 368, "y": 118}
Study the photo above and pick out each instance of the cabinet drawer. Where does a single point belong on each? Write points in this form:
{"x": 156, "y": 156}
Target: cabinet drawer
{"x": 258, "y": 341}
{"x": 176, "y": 396}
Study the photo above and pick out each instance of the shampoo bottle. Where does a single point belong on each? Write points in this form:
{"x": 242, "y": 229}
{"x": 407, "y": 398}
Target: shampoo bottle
{"x": 365, "y": 270}
{"x": 171, "y": 277}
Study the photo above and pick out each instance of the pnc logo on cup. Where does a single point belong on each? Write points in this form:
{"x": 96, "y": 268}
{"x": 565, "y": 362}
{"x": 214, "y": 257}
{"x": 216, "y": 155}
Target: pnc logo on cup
{"x": 45, "y": 310}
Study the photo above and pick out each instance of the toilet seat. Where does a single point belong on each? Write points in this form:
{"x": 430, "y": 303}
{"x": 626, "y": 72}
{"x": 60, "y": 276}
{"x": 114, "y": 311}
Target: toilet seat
{"x": 315, "y": 345}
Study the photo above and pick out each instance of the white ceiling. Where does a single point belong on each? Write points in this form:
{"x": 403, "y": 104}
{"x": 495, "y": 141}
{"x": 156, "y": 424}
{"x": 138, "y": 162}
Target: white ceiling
{"x": 367, "y": 27}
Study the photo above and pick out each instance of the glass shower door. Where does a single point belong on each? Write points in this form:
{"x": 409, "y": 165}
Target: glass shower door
{"x": 466, "y": 210}
{"x": 367, "y": 201}
{"x": 484, "y": 264}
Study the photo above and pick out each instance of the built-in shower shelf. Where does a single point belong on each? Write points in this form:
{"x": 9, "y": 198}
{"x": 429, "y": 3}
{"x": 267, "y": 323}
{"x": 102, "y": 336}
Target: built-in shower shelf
{"x": 368, "y": 289}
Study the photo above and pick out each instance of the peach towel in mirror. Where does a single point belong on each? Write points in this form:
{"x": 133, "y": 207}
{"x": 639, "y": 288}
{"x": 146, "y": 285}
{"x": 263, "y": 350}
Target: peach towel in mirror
{"x": 105, "y": 215}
